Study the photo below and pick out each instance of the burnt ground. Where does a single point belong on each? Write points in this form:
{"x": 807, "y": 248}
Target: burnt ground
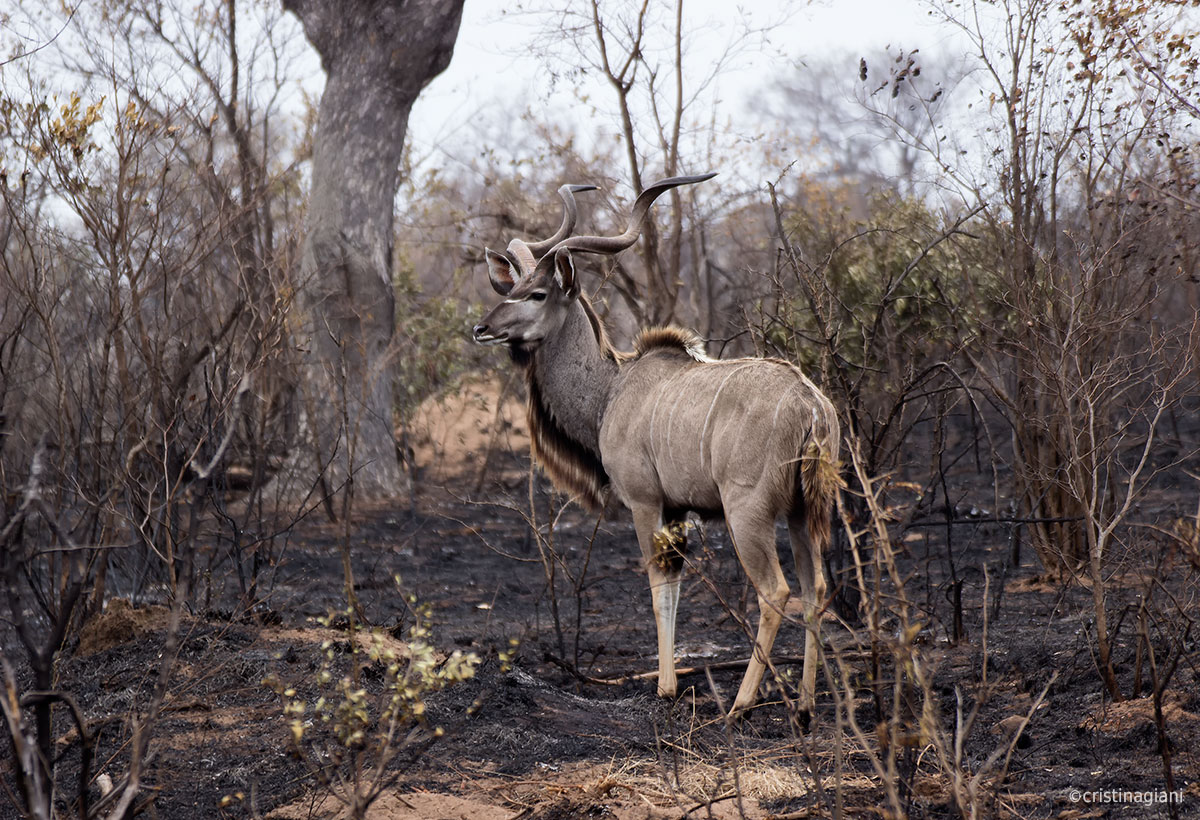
{"x": 545, "y": 739}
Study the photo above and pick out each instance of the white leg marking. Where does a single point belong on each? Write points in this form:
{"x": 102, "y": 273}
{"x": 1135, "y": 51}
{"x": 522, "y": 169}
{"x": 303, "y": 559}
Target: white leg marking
{"x": 671, "y": 589}
{"x": 666, "y": 599}
{"x": 667, "y": 596}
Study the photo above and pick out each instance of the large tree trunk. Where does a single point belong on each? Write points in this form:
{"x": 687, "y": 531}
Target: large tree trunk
{"x": 377, "y": 55}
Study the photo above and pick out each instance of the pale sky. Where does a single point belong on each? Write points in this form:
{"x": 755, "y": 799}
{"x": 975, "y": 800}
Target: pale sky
{"x": 496, "y": 70}
{"x": 493, "y": 69}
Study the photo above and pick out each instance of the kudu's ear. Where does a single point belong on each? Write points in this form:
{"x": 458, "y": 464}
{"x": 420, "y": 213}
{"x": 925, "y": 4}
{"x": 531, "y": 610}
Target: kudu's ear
{"x": 502, "y": 273}
{"x": 564, "y": 273}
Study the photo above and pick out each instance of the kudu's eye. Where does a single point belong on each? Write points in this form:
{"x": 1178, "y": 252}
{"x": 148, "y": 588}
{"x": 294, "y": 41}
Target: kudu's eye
{"x": 537, "y": 296}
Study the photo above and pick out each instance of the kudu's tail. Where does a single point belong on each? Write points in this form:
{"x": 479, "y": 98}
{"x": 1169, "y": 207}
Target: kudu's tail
{"x": 820, "y": 482}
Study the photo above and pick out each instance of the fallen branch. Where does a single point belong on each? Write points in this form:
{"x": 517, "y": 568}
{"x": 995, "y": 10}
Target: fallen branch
{"x": 719, "y": 666}
{"x": 708, "y": 804}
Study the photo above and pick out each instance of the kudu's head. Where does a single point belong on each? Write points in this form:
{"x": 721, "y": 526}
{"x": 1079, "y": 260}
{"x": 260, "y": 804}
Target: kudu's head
{"x": 539, "y": 280}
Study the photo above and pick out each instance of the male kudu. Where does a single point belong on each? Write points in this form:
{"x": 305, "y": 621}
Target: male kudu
{"x": 669, "y": 430}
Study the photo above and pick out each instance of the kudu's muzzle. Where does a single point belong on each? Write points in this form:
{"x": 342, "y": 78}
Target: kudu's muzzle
{"x": 482, "y": 333}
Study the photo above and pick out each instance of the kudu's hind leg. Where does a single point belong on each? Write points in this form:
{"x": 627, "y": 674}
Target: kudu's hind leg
{"x": 810, "y": 572}
{"x": 754, "y": 539}
{"x": 664, "y": 573}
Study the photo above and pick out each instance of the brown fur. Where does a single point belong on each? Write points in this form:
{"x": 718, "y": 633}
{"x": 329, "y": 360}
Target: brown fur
{"x": 820, "y": 481}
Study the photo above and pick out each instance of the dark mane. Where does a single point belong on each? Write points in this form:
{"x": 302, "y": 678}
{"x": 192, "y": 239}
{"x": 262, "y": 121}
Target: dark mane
{"x": 671, "y": 337}
{"x": 572, "y": 467}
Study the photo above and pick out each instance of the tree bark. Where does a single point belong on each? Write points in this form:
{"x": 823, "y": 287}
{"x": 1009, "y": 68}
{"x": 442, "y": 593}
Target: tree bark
{"x": 378, "y": 55}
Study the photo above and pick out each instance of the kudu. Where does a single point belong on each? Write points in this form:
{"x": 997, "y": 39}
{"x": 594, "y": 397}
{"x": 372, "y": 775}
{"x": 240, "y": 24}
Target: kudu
{"x": 669, "y": 430}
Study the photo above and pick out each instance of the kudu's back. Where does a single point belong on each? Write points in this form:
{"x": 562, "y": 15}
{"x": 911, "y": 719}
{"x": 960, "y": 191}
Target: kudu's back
{"x": 704, "y": 434}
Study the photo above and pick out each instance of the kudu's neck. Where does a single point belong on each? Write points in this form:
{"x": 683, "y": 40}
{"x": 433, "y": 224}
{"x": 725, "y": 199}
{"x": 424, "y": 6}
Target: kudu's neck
{"x": 574, "y": 374}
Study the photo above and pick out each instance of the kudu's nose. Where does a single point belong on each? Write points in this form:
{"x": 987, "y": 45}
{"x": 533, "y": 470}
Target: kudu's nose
{"x": 480, "y": 330}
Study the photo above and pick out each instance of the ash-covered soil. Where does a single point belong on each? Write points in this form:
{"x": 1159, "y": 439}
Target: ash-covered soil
{"x": 573, "y": 728}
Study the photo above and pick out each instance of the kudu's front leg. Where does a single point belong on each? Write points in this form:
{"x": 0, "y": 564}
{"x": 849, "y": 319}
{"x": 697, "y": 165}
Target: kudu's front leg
{"x": 664, "y": 573}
